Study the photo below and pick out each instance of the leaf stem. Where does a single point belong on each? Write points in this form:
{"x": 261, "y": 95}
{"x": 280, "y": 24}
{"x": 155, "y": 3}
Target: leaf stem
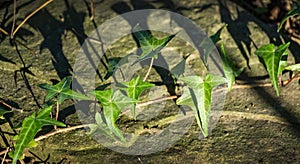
{"x": 6, "y": 151}
{"x": 92, "y": 10}
{"x": 11, "y": 107}
{"x": 148, "y": 72}
{"x": 57, "y": 112}
{"x": 3, "y": 31}
{"x": 292, "y": 79}
{"x": 224, "y": 113}
{"x": 29, "y": 16}
{"x": 156, "y": 101}
{"x": 14, "y": 20}
{"x": 61, "y": 130}
{"x": 152, "y": 102}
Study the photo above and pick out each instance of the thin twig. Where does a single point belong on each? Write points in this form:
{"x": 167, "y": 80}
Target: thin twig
{"x": 30, "y": 15}
{"x": 14, "y": 20}
{"x": 3, "y": 31}
{"x": 11, "y": 107}
{"x": 21, "y": 161}
{"x": 244, "y": 86}
{"x": 152, "y": 102}
{"x": 29, "y": 49}
{"x": 92, "y": 10}
{"x": 94, "y": 40}
{"x": 6, "y": 151}
{"x": 57, "y": 112}
{"x": 296, "y": 77}
{"x": 148, "y": 72}
{"x": 238, "y": 86}
{"x": 156, "y": 101}
{"x": 140, "y": 160}
{"x": 5, "y": 104}
{"x": 3, "y": 152}
{"x": 60, "y": 130}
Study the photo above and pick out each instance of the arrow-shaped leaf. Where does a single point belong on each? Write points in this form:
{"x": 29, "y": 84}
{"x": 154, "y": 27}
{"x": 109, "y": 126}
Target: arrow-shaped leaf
{"x": 112, "y": 66}
{"x": 134, "y": 88}
{"x": 274, "y": 61}
{"x": 197, "y": 95}
{"x": 217, "y": 36}
{"x": 30, "y": 126}
{"x": 101, "y": 127}
{"x": 178, "y": 69}
{"x": 70, "y": 94}
{"x": 208, "y": 44}
{"x": 150, "y": 45}
{"x": 113, "y": 103}
{"x": 54, "y": 90}
{"x": 229, "y": 68}
{"x": 62, "y": 91}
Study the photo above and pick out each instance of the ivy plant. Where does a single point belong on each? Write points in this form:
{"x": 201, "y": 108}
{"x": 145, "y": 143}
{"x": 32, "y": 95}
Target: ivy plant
{"x": 30, "y": 126}
{"x": 61, "y": 92}
{"x": 274, "y": 60}
{"x": 197, "y": 94}
{"x": 112, "y": 104}
{"x": 150, "y": 45}
{"x": 229, "y": 68}
{"x": 134, "y": 88}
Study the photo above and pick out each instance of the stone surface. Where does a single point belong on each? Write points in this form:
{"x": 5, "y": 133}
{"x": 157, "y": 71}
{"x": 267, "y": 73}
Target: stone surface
{"x": 256, "y": 126}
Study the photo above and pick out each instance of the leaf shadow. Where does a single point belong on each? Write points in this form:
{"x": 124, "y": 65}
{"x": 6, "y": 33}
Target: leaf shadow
{"x": 241, "y": 35}
{"x": 238, "y": 28}
{"x": 4, "y": 59}
{"x": 52, "y": 31}
{"x": 283, "y": 111}
{"x": 121, "y": 8}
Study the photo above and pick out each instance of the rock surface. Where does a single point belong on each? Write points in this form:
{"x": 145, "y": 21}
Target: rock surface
{"x": 255, "y": 126}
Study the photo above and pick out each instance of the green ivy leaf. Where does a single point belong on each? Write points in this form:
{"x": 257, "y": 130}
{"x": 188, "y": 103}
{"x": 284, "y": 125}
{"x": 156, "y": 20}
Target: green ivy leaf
{"x": 295, "y": 11}
{"x": 229, "y": 68}
{"x": 101, "y": 127}
{"x": 178, "y": 69}
{"x": 216, "y": 37}
{"x": 56, "y": 89}
{"x": 208, "y": 44}
{"x": 113, "y": 103}
{"x": 134, "y": 88}
{"x": 62, "y": 91}
{"x": 197, "y": 95}
{"x": 294, "y": 67}
{"x": 70, "y": 94}
{"x": 150, "y": 45}
{"x": 274, "y": 61}
{"x": 30, "y": 126}
{"x": 112, "y": 66}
